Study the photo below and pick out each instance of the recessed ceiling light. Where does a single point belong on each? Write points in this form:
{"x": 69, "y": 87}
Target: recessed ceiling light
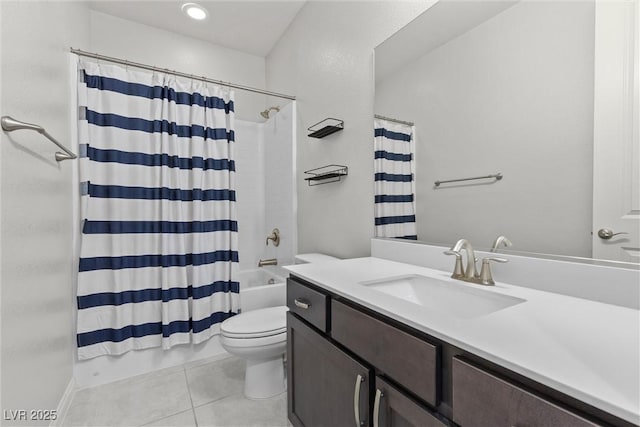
{"x": 195, "y": 11}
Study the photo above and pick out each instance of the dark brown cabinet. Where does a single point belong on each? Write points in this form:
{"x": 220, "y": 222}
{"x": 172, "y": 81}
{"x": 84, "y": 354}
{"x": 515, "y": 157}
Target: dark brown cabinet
{"x": 393, "y": 408}
{"x": 406, "y": 359}
{"x": 326, "y": 387}
{"x": 482, "y": 399}
{"x": 349, "y": 365}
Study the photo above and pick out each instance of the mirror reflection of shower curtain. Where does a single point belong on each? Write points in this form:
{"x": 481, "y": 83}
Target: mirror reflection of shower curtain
{"x": 394, "y": 185}
{"x": 159, "y": 255}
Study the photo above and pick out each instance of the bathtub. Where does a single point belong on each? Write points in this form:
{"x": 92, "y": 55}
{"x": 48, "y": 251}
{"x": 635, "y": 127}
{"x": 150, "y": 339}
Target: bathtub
{"x": 262, "y": 287}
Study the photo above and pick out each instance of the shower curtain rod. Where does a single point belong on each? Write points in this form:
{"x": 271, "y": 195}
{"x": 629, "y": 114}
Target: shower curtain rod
{"x": 393, "y": 120}
{"x": 177, "y": 73}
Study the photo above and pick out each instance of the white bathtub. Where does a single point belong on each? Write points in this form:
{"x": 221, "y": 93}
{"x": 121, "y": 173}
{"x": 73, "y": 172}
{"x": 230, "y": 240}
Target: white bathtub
{"x": 261, "y": 288}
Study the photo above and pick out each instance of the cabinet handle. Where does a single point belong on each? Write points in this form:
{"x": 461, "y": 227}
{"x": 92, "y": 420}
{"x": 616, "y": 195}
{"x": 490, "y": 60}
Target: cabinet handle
{"x": 356, "y": 400}
{"x": 376, "y": 408}
{"x": 302, "y": 304}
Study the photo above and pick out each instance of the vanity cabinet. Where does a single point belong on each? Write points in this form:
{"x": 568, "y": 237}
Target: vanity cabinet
{"x": 349, "y": 365}
{"x": 330, "y": 376}
{"x": 325, "y": 385}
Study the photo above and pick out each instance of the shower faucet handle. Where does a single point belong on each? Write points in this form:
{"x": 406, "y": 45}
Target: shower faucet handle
{"x": 274, "y": 237}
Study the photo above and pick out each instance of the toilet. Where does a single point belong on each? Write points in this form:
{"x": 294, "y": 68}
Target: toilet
{"x": 260, "y": 337}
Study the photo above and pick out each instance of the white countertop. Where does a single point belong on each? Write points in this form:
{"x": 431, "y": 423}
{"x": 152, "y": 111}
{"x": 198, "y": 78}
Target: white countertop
{"x": 585, "y": 349}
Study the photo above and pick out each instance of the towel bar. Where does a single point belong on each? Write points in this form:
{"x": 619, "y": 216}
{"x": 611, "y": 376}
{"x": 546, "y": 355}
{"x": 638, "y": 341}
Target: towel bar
{"x": 497, "y": 176}
{"x": 10, "y": 124}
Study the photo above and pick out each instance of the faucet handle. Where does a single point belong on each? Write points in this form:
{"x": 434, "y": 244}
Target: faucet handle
{"x": 485, "y": 272}
{"x": 457, "y": 270}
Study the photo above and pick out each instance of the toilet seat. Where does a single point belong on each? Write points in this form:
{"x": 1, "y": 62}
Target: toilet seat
{"x": 266, "y": 322}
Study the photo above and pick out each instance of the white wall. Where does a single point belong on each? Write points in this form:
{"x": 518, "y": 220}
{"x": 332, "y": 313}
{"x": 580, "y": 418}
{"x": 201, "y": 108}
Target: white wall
{"x": 141, "y": 43}
{"x": 36, "y": 273}
{"x": 325, "y": 58}
{"x": 513, "y": 95}
{"x": 279, "y": 185}
{"x": 250, "y": 198}
{"x": 265, "y": 188}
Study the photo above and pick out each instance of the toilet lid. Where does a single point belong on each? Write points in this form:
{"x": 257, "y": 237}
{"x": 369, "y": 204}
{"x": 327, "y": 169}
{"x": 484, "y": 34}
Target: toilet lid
{"x": 256, "y": 323}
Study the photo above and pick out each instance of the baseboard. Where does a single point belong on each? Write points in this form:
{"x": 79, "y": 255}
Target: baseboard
{"x": 63, "y": 405}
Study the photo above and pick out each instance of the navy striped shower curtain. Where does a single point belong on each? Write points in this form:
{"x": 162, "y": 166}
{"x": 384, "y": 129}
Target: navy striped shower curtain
{"x": 158, "y": 257}
{"x": 394, "y": 188}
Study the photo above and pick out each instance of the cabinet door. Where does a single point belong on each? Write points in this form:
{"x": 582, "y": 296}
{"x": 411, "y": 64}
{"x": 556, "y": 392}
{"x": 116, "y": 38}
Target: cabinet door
{"x": 392, "y": 408}
{"x": 326, "y": 387}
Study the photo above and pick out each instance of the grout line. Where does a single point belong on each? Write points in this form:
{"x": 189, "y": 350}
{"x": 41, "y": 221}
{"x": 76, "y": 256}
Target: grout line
{"x": 160, "y": 419}
{"x": 186, "y": 378}
{"x": 219, "y": 399}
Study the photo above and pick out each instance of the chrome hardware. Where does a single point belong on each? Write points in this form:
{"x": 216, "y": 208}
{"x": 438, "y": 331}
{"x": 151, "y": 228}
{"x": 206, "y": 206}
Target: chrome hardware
{"x": 606, "y": 234}
{"x": 457, "y": 270}
{"x": 470, "y": 269}
{"x": 469, "y": 274}
{"x": 9, "y": 124}
{"x": 263, "y": 262}
{"x": 302, "y": 304}
{"x": 376, "y": 408}
{"x": 485, "y": 277}
{"x": 356, "y": 401}
{"x": 275, "y": 237}
{"x": 497, "y": 176}
{"x": 500, "y": 240}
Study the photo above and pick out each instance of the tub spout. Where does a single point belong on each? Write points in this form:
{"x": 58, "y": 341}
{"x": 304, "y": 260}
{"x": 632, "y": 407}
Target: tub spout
{"x": 263, "y": 262}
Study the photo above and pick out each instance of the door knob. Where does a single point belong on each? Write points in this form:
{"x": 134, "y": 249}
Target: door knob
{"x": 606, "y": 234}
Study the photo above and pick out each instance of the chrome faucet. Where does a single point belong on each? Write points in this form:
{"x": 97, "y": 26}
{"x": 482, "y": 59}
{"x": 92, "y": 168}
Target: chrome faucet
{"x": 265, "y": 262}
{"x": 500, "y": 240}
{"x": 469, "y": 274}
{"x": 470, "y": 269}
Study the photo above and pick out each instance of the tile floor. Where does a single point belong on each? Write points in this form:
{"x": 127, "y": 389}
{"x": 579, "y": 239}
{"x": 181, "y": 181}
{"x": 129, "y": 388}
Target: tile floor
{"x": 197, "y": 394}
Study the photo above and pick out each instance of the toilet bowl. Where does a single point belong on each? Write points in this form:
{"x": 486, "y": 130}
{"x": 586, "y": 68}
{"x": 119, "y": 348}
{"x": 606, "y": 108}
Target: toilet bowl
{"x": 259, "y": 337}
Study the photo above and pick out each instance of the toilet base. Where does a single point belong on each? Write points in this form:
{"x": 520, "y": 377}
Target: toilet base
{"x": 264, "y": 378}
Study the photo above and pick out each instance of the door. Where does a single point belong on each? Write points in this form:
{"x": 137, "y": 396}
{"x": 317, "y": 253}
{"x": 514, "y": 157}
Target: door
{"x": 393, "y": 408}
{"x": 326, "y": 387}
{"x": 616, "y": 181}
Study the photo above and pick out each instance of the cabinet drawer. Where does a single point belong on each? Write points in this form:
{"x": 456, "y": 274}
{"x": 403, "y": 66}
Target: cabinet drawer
{"x": 307, "y": 303}
{"x": 482, "y": 399}
{"x": 402, "y": 357}
{"x": 392, "y": 408}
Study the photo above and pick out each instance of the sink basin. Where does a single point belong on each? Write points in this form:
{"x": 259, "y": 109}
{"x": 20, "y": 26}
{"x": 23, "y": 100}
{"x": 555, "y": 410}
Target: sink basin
{"x": 444, "y": 296}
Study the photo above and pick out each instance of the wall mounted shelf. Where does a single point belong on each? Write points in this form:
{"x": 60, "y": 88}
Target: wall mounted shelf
{"x": 325, "y": 127}
{"x": 326, "y": 174}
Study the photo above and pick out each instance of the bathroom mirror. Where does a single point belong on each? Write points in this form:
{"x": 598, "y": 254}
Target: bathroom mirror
{"x": 504, "y": 87}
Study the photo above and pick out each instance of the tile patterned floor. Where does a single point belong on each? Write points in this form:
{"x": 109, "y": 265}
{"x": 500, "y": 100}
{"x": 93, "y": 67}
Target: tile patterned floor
{"x": 203, "y": 394}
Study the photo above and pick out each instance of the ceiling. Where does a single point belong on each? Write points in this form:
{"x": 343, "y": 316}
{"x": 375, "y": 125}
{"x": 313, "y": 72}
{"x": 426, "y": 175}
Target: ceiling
{"x": 249, "y": 26}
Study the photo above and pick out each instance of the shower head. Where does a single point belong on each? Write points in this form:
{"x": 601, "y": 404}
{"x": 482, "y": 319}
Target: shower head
{"x": 265, "y": 113}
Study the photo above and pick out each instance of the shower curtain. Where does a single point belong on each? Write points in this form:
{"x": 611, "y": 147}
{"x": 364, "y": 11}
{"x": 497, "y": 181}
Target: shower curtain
{"x": 394, "y": 188}
{"x": 158, "y": 256}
